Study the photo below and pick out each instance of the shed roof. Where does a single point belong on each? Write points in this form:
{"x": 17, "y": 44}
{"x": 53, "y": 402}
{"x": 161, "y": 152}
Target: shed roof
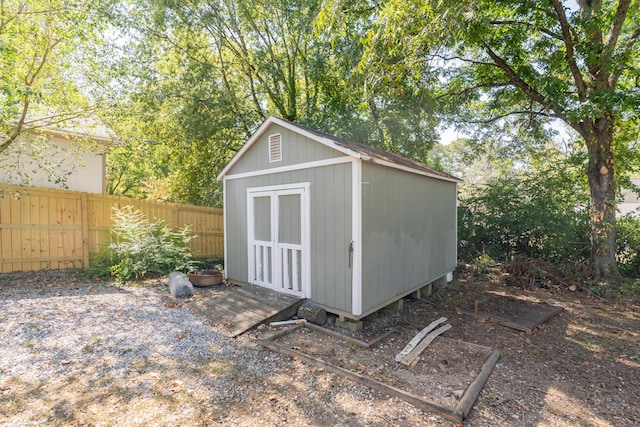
{"x": 353, "y": 149}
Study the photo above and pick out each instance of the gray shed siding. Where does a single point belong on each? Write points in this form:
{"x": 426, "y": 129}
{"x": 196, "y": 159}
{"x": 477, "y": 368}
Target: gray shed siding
{"x": 408, "y": 232}
{"x": 331, "y": 205}
{"x": 296, "y": 149}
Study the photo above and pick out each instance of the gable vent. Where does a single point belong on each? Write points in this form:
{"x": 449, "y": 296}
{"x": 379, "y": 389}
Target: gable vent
{"x": 275, "y": 147}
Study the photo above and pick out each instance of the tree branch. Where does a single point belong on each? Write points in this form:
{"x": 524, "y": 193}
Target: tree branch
{"x": 631, "y": 42}
{"x": 512, "y": 113}
{"x": 618, "y": 21}
{"x": 3, "y": 23}
{"x": 460, "y": 58}
{"x": 17, "y": 130}
{"x": 59, "y": 118}
{"x": 568, "y": 42}
{"x": 542, "y": 30}
{"x": 524, "y": 86}
{"x": 468, "y": 89}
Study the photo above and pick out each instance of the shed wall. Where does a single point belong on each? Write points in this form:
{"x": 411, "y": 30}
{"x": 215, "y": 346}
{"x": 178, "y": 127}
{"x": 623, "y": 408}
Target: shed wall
{"x": 296, "y": 149}
{"x": 330, "y": 198}
{"x": 408, "y": 232}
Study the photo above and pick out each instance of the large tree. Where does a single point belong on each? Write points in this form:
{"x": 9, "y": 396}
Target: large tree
{"x": 196, "y": 77}
{"x": 40, "y": 46}
{"x": 521, "y": 65}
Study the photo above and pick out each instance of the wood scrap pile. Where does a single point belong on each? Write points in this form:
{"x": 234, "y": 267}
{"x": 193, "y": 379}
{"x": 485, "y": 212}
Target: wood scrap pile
{"x": 528, "y": 273}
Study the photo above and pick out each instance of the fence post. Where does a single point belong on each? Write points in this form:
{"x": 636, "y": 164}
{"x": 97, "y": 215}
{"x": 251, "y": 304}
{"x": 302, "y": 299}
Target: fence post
{"x": 84, "y": 208}
{"x": 175, "y": 210}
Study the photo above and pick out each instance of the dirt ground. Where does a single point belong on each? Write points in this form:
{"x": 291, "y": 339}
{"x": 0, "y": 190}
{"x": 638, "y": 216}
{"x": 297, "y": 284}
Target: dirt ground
{"x": 581, "y": 368}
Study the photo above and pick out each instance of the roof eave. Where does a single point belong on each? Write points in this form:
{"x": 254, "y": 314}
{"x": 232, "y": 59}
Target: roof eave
{"x": 329, "y": 143}
{"x": 416, "y": 171}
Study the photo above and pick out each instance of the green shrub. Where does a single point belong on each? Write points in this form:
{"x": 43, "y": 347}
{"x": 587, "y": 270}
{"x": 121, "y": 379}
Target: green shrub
{"x": 540, "y": 216}
{"x": 100, "y": 264}
{"x": 628, "y": 246}
{"x": 141, "y": 247}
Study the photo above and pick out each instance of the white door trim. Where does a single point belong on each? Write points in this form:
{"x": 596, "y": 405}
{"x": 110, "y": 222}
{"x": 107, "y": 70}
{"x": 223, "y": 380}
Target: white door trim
{"x": 273, "y": 192}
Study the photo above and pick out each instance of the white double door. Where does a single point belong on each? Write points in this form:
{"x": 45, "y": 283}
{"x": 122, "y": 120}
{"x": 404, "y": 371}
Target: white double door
{"x": 278, "y": 238}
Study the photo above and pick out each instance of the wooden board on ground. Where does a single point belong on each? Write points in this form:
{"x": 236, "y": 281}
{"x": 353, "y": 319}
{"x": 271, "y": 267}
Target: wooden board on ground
{"x": 241, "y": 308}
{"x": 512, "y": 312}
{"x": 416, "y": 340}
{"x": 412, "y": 358}
{"x": 446, "y": 382}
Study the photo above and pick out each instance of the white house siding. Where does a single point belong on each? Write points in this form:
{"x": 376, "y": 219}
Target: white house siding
{"x": 86, "y": 167}
{"x": 631, "y": 202}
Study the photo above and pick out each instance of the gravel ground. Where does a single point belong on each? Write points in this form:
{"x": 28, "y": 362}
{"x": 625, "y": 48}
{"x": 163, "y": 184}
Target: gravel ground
{"x": 98, "y": 354}
{"x": 79, "y": 353}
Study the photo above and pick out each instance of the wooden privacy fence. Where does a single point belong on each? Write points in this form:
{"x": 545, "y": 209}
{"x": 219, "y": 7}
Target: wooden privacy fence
{"x": 46, "y": 229}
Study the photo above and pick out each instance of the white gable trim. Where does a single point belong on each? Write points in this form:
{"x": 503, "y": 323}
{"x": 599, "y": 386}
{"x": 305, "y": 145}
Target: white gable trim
{"x": 287, "y": 125}
{"x": 412, "y": 170}
{"x": 299, "y": 166}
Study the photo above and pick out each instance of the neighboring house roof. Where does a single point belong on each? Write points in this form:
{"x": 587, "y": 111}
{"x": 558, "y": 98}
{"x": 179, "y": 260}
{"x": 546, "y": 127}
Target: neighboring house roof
{"x": 89, "y": 127}
{"x": 352, "y": 149}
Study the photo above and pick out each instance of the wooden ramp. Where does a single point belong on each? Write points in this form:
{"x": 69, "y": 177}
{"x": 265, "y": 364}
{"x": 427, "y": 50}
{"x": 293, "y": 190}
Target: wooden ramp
{"x": 240, "y": 308}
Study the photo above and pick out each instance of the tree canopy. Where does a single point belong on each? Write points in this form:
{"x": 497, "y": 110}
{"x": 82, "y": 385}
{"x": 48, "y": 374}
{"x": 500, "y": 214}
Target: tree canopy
{"x": 201, "y": 75}
{"x": 184, "y": 84}
{"x": 514, "y": 67}
{"x": 40, "y": 43}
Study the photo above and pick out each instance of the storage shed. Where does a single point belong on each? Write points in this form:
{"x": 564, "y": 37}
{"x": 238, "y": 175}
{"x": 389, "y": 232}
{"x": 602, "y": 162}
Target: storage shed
{"x": 350, "y": 227}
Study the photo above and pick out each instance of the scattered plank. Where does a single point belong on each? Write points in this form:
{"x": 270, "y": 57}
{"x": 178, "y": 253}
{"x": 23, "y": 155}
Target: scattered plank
{"x": 449, "y": 413}
{"x": 347, "y": 338}
{"x": 457, "y": 414}
{"x": 412, "y": 358}
{"x": 416, "y": 340}
{"x": 470, "y": 396}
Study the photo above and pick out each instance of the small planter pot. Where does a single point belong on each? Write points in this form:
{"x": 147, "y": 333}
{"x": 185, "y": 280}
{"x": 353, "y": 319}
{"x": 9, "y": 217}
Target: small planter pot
{"x": 205, "y": 278}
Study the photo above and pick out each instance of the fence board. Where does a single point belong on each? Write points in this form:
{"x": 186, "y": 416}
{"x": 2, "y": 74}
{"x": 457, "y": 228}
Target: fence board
{"x": 53, "y": 229}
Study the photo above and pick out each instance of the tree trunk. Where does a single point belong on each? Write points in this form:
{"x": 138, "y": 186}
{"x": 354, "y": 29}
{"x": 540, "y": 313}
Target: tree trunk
{"x": 601, "y": 173}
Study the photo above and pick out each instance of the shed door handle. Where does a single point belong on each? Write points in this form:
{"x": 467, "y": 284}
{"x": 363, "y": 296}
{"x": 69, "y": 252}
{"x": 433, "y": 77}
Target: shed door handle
{"x": 350, "y": 253}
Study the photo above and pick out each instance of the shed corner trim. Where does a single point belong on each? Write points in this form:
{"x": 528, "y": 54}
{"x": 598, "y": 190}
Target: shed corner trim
{"x": 356, "y": 239}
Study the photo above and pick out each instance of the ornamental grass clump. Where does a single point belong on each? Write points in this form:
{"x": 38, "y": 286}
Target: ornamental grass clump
{"x": 140, "y": 247}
